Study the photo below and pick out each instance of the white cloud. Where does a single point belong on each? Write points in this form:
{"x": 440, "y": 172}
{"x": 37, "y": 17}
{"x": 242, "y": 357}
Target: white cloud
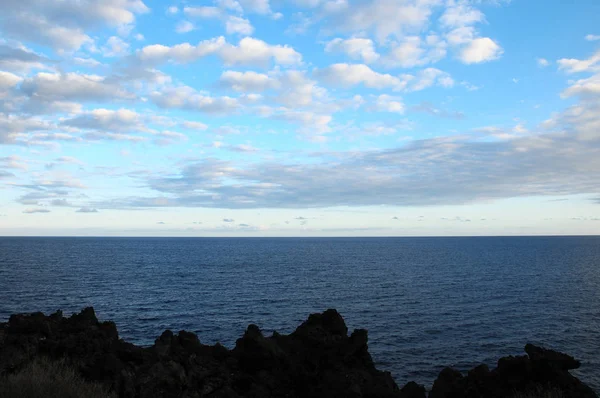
{"x": 257, "y": 6}
{"x": 348, "y": 75}
{"x": 248, "y": 52}
{"x": 247, "y": 81}
{"x": 251, "y": 51}
{"x": 542, "y": 62}
{"x": 570, "y": 65}
{"x": 470, "y": 86}
{"x": 290, "y": 88}
{"x": 13, "y": 162}
{"x": 184, "y": 27}
{"x": 429, "y": 77}
{"x": 315, "y": 123}
{"x": 413, "y": 51}
{"x": 180, "y": 53}
{"x": 187, "y": 98}
{"x": 480, "y": 50}
{"x": 72, "y": 87}
{"x": 62, "y": 24}
{"x": 121, "y": 120}
{"x": 589, "y": 87}
{"x": 87, "y": 62}
{"x": 87, "y": 210}
{"x": 460, "y": 36}
{"x": 296, "y": 90}
{"x": 8, "y": 80}
{"x": 355, "y": 48}
{"x": 581, "y": 120}
{"x": 459, "y": 15}
{"x": 115, "y": 47}
{"x": 167, "y": 137}
{"x": 172, "y": 10}
{"x": 194, "y": 125}
{"x": 592, "y": 37}
{"x": 231, "y": 5}
{"x": 233, "y": 24}
{"x": 238, "y": 25}
{"x": 204, "y": 12}
{"x": 35, "y": 210}
{"x": 388, "y": 103}
{"x": 20, "y": 59}
{"x": 419, "y": 173}
{"x": 382, "y": 17}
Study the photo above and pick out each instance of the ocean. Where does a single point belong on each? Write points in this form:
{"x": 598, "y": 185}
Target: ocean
{"x": 427, "y": 302}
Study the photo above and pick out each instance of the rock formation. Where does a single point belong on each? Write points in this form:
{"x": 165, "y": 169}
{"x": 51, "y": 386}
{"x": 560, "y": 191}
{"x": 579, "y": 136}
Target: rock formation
{"x": 318, "y": 359}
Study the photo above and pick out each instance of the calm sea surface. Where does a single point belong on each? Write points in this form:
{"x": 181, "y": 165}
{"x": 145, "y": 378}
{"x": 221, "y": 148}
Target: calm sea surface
{"x": 427, "y": 302}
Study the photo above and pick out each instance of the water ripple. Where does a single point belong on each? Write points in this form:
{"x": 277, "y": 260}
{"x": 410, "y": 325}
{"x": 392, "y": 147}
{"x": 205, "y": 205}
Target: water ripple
{"x": 427, "y": 302}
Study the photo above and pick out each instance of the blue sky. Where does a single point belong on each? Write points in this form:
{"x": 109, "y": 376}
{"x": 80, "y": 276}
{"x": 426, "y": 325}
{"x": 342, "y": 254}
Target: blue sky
{"x": 299, "y": 118}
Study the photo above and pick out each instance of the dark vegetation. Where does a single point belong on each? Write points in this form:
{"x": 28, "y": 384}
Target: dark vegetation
{"x": 50, "y": 379}
{"x": 52, "y": 356}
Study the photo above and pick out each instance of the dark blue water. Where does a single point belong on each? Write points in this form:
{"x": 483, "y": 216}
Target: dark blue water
{"x": 427, "y": 302}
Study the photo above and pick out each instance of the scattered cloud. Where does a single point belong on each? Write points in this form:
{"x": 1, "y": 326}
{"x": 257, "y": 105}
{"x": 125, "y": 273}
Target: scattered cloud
{"x": 247, "y": 81}
{"x": 87, "y": 62}
{"x": 194, "y": 125}
{"x": 115, "y": 47}
{"x": 355, "y": 47}
{"x": 414, "y": 51}
{"x": 43, "y": 22}
{"x": 348, "y": 75}
{"x": 233, "y": 24}
{"x": 592, "y": 37}
{"x": 248, "y": 52}
{"x": 480, "y": 50}
{"x": 428, "y": 107}
{"x": 87, "y": 210}
{"x": 52, "y": 87}
{"x": 238, "y": 25}
{"x": 543, "y": 62}
{"x": 184, "y": 27}
{"x": 571, "y": 65}
{"x": 18, "y": 58}
{"x": 424, "y": 172}
{"x": 388, "y": 103}
{"x": 35, "y": 210}
{"x": 184, "y": 97}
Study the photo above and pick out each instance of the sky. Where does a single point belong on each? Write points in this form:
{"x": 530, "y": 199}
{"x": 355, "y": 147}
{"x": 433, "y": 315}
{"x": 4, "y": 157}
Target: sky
{"x": 299, "y": 118}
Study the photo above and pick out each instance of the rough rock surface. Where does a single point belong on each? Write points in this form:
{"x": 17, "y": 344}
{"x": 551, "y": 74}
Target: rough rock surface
{"x": 318, "y": 359}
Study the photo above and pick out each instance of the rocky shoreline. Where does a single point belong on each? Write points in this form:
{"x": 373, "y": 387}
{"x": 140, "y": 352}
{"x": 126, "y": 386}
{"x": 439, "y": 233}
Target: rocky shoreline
{"x": 319, "y": 359}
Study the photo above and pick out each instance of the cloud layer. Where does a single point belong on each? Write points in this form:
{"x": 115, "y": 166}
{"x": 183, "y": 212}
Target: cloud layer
{"x": 252, "y": 104}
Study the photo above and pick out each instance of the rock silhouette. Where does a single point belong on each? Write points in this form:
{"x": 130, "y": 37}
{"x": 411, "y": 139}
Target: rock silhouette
{"x": 319, "y": 359}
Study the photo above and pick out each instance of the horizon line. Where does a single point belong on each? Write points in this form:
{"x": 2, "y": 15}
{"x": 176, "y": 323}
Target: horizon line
{"x": 304, "y": 237}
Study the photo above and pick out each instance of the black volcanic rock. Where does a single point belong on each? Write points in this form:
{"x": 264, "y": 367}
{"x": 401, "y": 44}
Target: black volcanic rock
{"x": 318, "y": 359}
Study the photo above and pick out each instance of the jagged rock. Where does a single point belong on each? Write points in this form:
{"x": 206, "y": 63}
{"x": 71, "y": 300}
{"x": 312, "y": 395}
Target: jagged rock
{"x": 541, "y": 368}
{"x": 412, "y": 390}
{"x": 318, "y": 359}
{"x": 552, "y": 358}
{"x": 449, "y": 384}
